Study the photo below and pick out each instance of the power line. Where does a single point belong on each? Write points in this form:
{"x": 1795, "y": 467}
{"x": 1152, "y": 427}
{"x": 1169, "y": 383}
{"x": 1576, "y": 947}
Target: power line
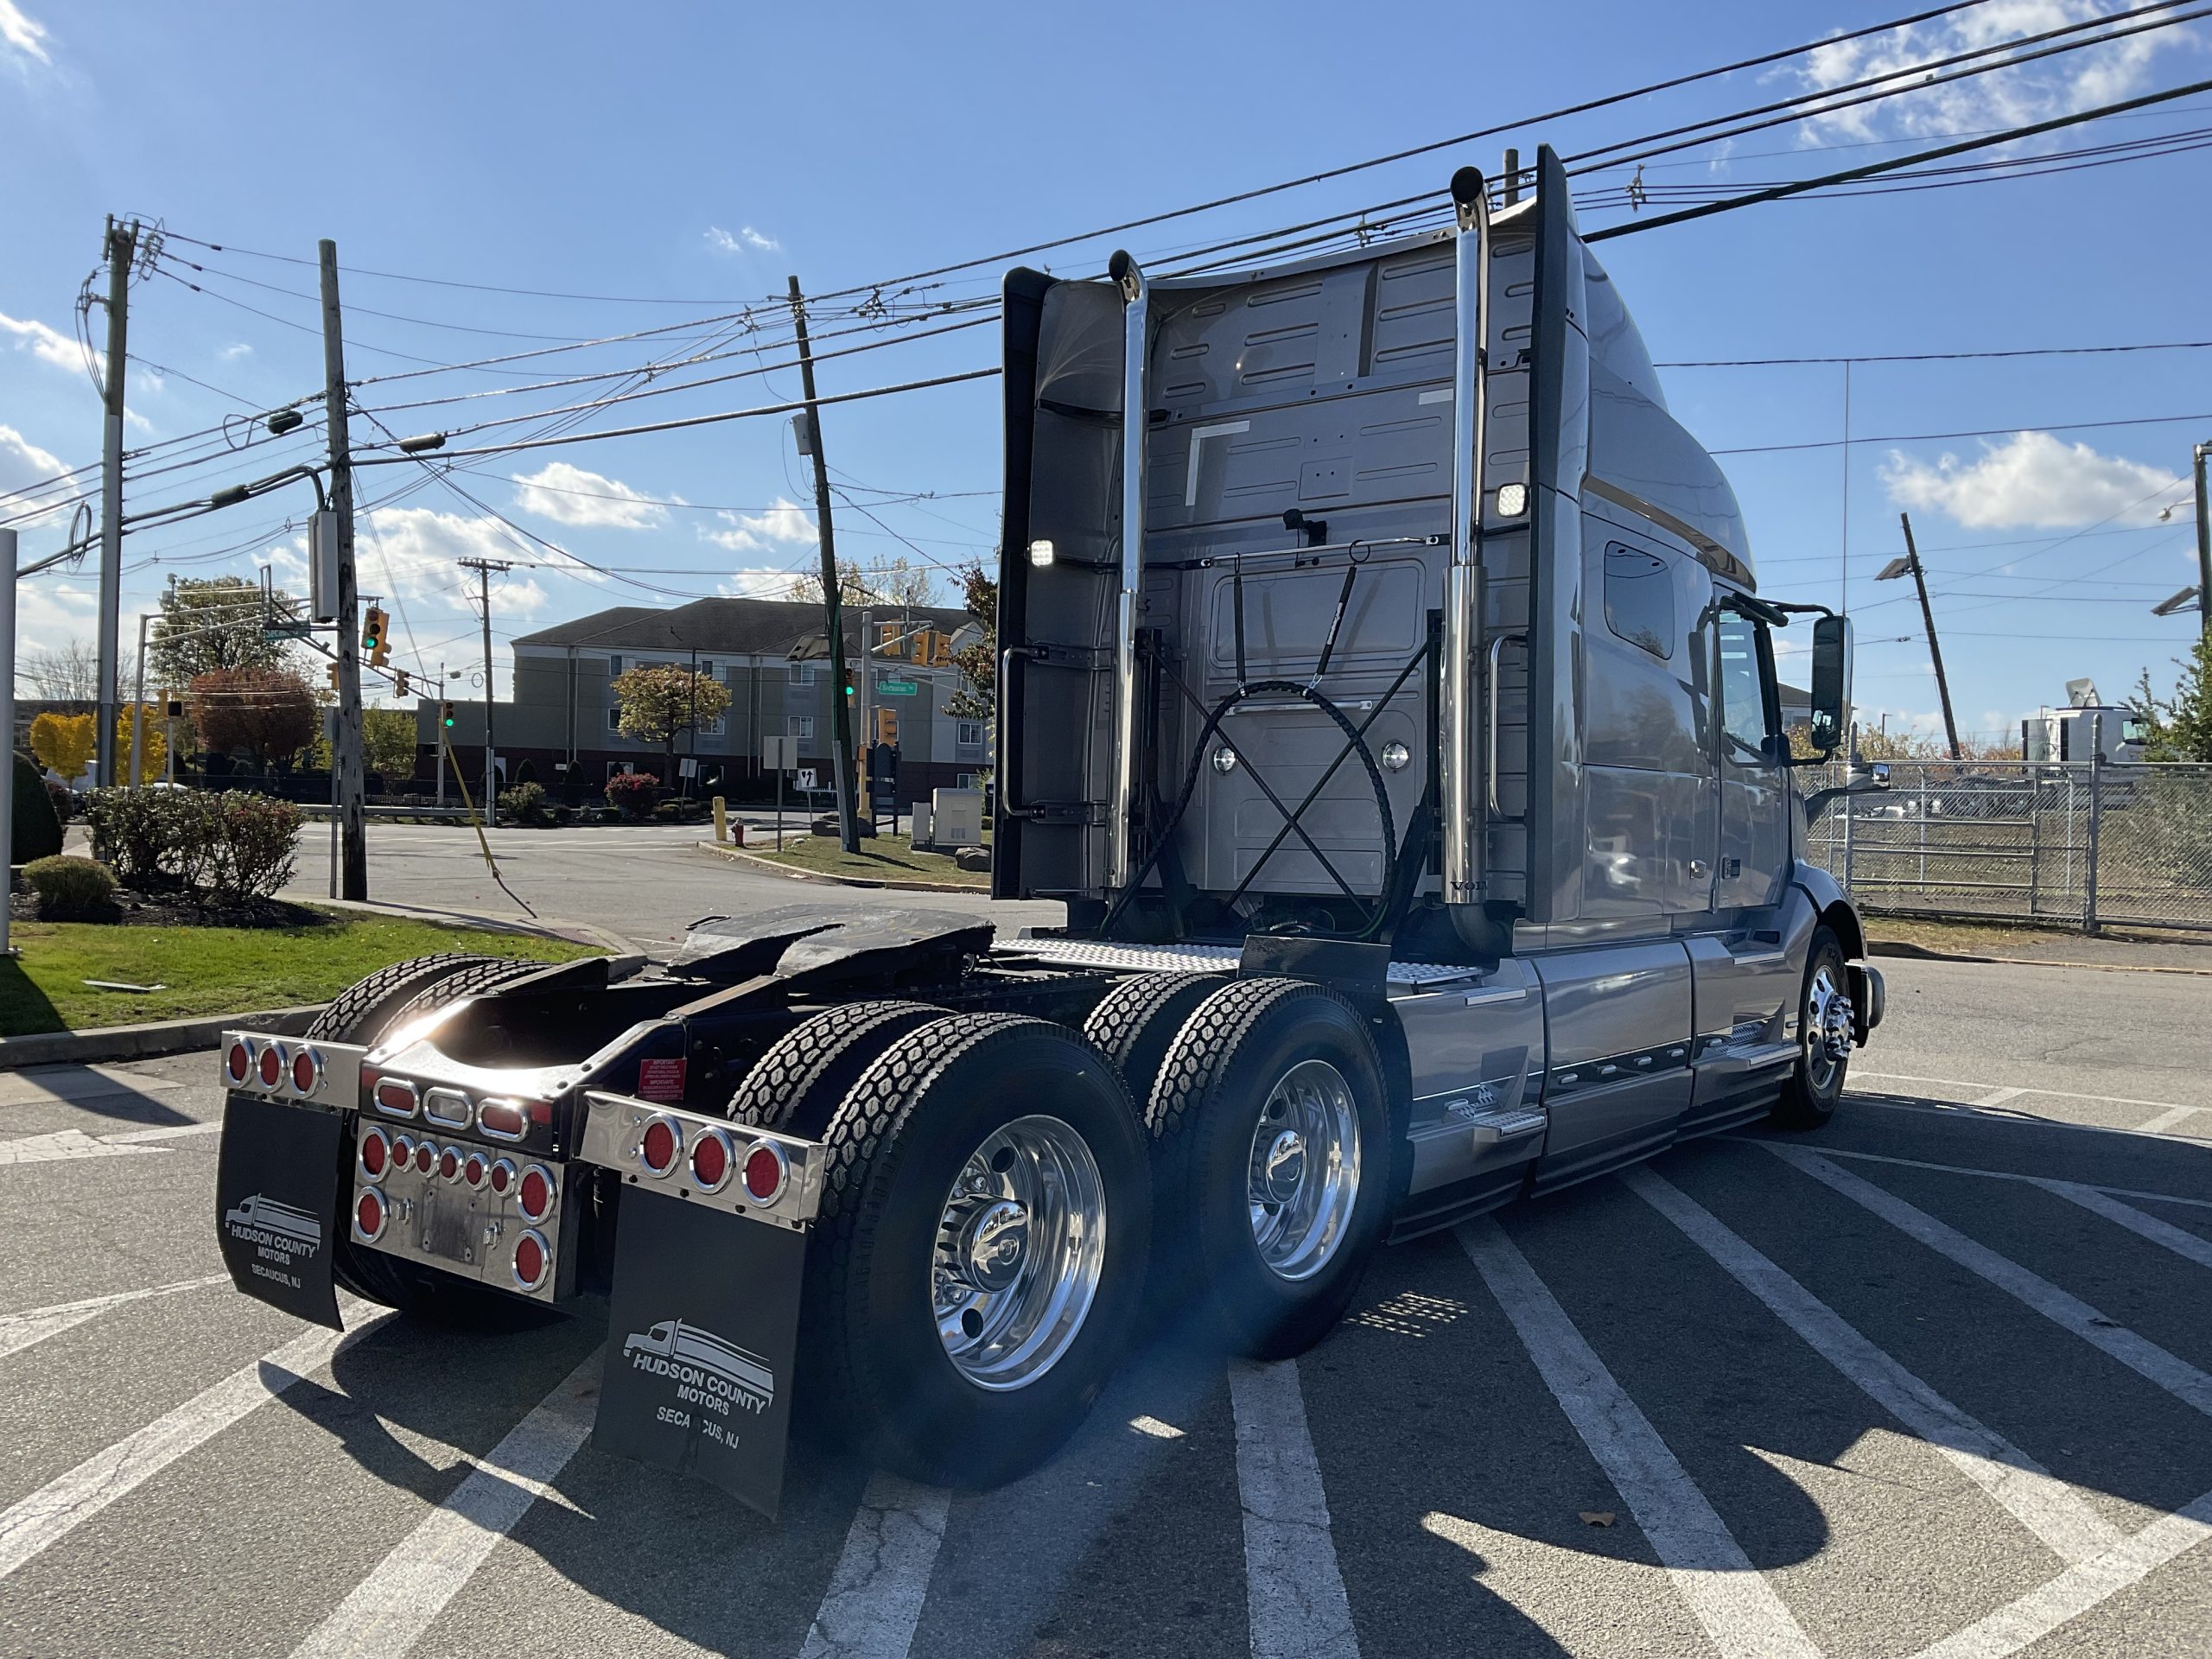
{"x": 1938, "y": 357}
{"x": 1981, "y": 432}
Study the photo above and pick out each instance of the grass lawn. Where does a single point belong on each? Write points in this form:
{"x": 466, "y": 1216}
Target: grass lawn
{"x": 882, "y": 858}
{"x": 218, "y": 969}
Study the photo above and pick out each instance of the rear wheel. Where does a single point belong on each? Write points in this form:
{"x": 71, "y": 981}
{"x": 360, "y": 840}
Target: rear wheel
{"x": 979, "y": 1250}
{"x": 1826, "y": 1024}
{"x": 1139, "y": 1019}
{"x": 798, "y": 1084}
{"x": 1271, "y": 1159}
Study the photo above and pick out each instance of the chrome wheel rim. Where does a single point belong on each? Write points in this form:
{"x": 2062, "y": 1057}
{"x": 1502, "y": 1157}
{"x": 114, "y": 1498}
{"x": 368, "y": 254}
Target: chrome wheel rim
{"x": 1021, "y": 1248}
{"x": 1829, "y": 1027}
{"x": 1304, "y": 1170}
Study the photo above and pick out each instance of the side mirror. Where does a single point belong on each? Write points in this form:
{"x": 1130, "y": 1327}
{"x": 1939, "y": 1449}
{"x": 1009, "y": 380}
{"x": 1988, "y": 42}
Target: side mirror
{"x": 1831, "y": 693}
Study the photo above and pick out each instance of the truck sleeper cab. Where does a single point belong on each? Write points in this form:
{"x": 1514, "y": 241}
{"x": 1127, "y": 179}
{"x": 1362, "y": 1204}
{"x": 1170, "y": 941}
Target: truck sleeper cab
{"x": 1387, "y": 694}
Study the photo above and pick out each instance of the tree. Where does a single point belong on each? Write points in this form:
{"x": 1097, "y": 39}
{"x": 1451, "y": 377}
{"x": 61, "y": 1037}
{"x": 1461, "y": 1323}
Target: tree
{"x": 659, "y": 701}
{"x": 976, "y": 696}
{"x": 2178, "y": 728}
{"x": 70, "y": 673}
{"x": 212, "y": 624}
{"x": 388, "y": 741}
{"x": 269, "y": 713}
{"x": 64, "y": 743}
{"x": 875, "y": 581}
{"x": 153, "y": 742}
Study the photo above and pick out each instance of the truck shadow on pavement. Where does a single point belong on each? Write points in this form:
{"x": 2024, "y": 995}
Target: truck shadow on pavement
{"x": 1461, "y": 1493}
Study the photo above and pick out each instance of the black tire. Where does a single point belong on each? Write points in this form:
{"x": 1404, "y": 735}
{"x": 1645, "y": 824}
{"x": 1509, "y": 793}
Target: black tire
{"x": 1203, "y": 1116}
{"x": 1139, "y": 1019}
{"x": 874, "y": 1362}
{"x": 360, "y": 1013}
{"x": 1810, "y": 1093}
{"x": 798, "y": 1084}
{"x": 482, "y": 975}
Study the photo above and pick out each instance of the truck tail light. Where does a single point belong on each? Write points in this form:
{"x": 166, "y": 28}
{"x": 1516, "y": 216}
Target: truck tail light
{"x": 395, "y": 1096}
{"x": 660, "y": 1146}
{"x": 711, "y": 1157}
{"x": 766, "y": 1173}
{"x": 403, "y": 1151}
{"x": 375, "y": 1153}
{"x": 534, "y": 1193}
{"x": 238, "y": 1065}
{"x": 533, "y": 1257}
{"x": 475, "y": 1170}
{"x": 306, "y": 1072}
{"x": 502, "y": 1120}
{"x": 370, "y": 1214}
{"x": 449, "y": 1163}
{"x": 272, "y": 1066}
{"x": 426, "y": 1156}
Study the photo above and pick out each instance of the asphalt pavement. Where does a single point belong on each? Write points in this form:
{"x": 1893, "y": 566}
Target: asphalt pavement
{"x": 1933, "y": 1380}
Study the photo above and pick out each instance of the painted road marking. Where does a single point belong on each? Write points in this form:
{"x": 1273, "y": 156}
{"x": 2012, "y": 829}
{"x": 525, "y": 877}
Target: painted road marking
{"x": 1998, "y": 1097}
{"x": 2017, "y": 1119}
{"x": 33, "y": 1327}
{"x": 35, "y": 1088}
{"x": 2140, "y": 1354}
{"x": 388, "y": 1611}
{"x": 875, "y": 1594}
{"x": 2046, "y": 1506}
{"x": 2198, "y": 1250}
{"x": 63, "y": 1144}
{"x": 2063, "y": 1094}
{"x": 1293, "y": 1590}
{"x": 1738, "y": 1607}
{"x": 2172, "y": 1118}
{"x": 35, "y": 1523}
{"x": 1988, "y": 1174}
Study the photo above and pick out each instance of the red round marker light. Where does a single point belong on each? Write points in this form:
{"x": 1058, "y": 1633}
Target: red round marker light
{"x": 502, "y": 1178}
{"x": 238, "y": 1063}
{"x": 531, "y": 1258}
{"x": 375, "y": 1153}
{"x": 272, "y": 1066}
{"x": 766, "y": 1171}
{"x": 658, "y": 1149}
{"x": 426, "y": 1157}
{"x": 368, "y": 1215}
{"x": 403, "y": 1152}
{"x": 711, "y": 1161}
{"x": 473, "y": 1170}
{"x": 307, "y": 1071}
{"x": 535, "y": 1194}
{"x": 449, "y": 1164}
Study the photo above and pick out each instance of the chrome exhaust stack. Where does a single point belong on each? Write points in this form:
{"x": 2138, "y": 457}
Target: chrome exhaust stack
{"x": 1457, "y": 696}
{"x": 1126, "y": 275}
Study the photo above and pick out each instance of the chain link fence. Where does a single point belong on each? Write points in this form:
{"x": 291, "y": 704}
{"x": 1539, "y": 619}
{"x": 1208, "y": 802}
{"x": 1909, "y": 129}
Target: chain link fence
{"x": 2076, "y": 844}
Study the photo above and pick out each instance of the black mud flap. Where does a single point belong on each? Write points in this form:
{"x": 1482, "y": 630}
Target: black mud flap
{"x": 703, "y": 1328}
{"x": 276, "y": 1204}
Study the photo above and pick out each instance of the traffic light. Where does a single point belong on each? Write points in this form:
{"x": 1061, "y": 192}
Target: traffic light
{"x": 333, "y": 671}
{"x": 887, "y": 726}
{"x": 445, "y": 715}
{"x": 887, "y": 640}
{"x": 399, "y": 683}
{"x": 372, "y": 627}
{"x": 173, "y": 704}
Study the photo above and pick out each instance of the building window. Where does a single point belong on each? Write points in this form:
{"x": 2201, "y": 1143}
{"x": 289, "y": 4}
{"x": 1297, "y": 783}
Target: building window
{"x": 711, "y": 727}
{"x": 614, "y": 665}
{"x": 969, "y": 733}
{"x": 963, "y": 780}
{"x": 802, "y": 674}
{"x": 802, "y": 726}
{"x": 1640, "y": 600}
{"x": 707, "y": 668}
{"x": 614, "y": 718}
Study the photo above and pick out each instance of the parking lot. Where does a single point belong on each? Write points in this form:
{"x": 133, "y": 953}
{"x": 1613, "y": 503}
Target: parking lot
{"x": 1934, "y": 1380}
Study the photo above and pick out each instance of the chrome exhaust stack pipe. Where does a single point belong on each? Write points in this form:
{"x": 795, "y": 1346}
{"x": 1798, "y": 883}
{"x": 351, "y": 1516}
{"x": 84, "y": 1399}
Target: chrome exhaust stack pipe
{"x": 1457, "y": 696}
{"x": 1121, "y": 797}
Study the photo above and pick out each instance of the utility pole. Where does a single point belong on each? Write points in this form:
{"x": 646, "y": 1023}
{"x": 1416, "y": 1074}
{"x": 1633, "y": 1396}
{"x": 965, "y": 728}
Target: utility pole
{"x": 841, "y": 713}
{"x": 122, "y": 249}
{"x": 1928, "y": 616}
{"x": 348, "y": 803}
{"x": 484, "y": 568}
{"x": 2197, "y": 458}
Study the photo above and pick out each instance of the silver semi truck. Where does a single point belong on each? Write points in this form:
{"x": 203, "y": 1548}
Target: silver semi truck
{"x": 1385, "y": 692}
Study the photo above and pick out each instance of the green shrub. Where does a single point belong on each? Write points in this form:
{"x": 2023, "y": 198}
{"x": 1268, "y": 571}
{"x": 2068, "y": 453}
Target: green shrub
{"x": 70, "y": 887}
{"x": 63, "y": 796}
{"x": 151, "y": 835}
{"x": 523, "y": 804}
{"x": 37, "y": 829}
{"x": 633, "y": 794}
{"x": 250, "y": 851}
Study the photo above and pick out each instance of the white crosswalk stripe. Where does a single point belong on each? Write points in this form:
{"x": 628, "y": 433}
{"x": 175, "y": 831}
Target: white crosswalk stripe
{"x": 387, "y": 1613}
{"x": 2174, "y": 1238}
{"x": 1293, "y": 1590}
{"x": 2140, "y": 1354}
{"x": 34, "y": 1325}
{"x": 2047, "y": 1507}
{"x": 35, "y": 1525}
{"x": 882, "y": 1577}
{"x": 1738, "y": 1608}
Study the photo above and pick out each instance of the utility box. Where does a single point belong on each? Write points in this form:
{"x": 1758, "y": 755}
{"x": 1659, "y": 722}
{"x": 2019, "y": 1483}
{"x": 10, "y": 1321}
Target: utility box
{"x": 956, "y": 817}
{"x": 322, "y": 564}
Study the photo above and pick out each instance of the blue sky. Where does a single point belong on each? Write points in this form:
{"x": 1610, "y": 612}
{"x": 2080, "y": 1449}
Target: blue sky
{"x": 701, "y": 154}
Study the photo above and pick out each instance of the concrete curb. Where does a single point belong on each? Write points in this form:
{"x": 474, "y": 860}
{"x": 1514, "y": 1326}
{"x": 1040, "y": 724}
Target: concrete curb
{"x": 158, "y": 1037}
{"x": 773, "y": 868}
{"x": 1927, "y": 953}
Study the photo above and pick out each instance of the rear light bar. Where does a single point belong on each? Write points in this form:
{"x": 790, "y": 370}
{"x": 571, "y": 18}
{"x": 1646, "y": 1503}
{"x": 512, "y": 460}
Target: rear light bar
{"x": 326, "y": 1076}
{"x": 734, "y": 1167}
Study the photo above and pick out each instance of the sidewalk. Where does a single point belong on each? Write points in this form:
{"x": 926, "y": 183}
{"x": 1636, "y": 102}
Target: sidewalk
{"x": 1971, "y": 942}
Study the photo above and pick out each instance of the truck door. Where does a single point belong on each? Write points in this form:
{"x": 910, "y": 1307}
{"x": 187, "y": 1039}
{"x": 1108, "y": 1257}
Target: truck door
{"x": 1748, "y": 869}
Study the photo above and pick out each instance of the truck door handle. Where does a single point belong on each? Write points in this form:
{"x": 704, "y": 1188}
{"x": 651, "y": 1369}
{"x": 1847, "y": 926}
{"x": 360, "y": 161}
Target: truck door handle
{"x": 1699, "y": 869}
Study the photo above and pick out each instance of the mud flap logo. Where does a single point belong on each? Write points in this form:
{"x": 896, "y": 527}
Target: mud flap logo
{"x": 707, "y": 1304}
{"x": 276, "y": 1191}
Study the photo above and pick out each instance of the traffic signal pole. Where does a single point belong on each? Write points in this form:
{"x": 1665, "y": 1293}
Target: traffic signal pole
{"x": 841, "y": 708}
{"x": 1935, "y": 651}
{"x": 349, "y": 878}
{"x": 121, "y": 250}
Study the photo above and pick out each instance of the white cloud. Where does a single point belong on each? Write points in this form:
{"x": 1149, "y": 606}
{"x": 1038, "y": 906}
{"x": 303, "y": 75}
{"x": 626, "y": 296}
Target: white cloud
{"x": 2029, "y": 480}
{"x": 784, "y": 526}
{"x": 238, "y": 349}
{"x": 759, "y": 584}
{"x": 22, "y": 33}
{"x": 2052, "y": 86}
{"x": 745, "y": 239}
{"x": 570, "y": 495}
{"x": 21, "y": 463}
{"x": 414, "y": 549}
{"x": 46, "y": 344}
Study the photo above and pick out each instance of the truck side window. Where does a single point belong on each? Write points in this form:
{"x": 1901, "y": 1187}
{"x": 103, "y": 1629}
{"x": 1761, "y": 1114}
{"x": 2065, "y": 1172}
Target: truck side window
{"x": 1743, "y": 691}
{"x": 1640, "y": 600}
